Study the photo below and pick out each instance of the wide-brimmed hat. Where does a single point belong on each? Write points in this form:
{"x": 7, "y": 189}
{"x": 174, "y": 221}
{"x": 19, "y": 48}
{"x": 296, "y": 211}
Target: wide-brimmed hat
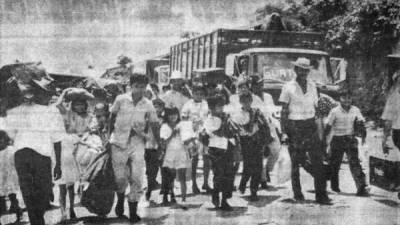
{"x": 176, "y": 75}
{"x": 303, "y": 63}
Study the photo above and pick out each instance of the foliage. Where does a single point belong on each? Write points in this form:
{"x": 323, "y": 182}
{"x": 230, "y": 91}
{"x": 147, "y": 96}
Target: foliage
{"x": 362, "y": 31}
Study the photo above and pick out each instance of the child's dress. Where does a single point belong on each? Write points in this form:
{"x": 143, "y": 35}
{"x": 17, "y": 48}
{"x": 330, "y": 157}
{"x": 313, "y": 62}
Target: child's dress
{"x": 176, "y": 155}
{"x": 76, "y": 126}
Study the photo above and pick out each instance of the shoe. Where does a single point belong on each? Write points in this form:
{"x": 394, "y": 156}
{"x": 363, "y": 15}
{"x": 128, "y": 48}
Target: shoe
{"x": 195, "y": 190}
{"x": 264, "y": 185}
{"x": 63, "y": 215}
{"x": 324, "y": 201}
{"x": 173, "y": 200}
{"x": 72, "y": 214}
{"x": 207, "y": 188}
{"x": 398, "y": 195}
{"x": 215, "y": 199}
{"x": 254, "y": 197}
{"x": 147, "y": 195}
{"x": 133, "y": 216}
{"x": 165, "y": 201}
{"x": 242, "y": 188}
{"x": 119, "y": 208}
{"x": 299, "y": 197}
{"x": 268, "y": 178}
{"x": 335, "y": 189}
{"x": 3, "y": 206}
{"x": 362, "y": 192}
{"x": 225, "y": 206}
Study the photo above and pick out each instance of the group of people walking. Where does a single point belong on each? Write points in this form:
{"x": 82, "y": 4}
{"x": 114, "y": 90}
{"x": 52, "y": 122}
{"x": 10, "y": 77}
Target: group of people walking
{"x": 170, "y": 132}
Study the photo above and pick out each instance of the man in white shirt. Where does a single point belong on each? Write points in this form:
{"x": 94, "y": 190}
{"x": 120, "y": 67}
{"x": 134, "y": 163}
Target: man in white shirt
{"x": 37, "y": 131}
{"x": 299, "y": 98}
{"x": 129, "y": 115}
{"x": 174, "y": 97}
{"x": 341, "y": 121}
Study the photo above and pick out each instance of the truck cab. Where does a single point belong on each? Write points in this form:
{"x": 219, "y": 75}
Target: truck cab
{"x": 274, "y": 66}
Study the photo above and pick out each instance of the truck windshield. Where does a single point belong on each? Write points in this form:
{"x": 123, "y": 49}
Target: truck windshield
{"x": 278, "y": 67}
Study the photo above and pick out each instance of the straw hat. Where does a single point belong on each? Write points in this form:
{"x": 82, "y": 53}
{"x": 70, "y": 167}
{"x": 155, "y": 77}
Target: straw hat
{"x": 303, "y": 63}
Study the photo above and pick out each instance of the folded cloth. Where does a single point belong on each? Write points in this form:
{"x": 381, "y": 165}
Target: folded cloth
{"x": 78, "y": 93}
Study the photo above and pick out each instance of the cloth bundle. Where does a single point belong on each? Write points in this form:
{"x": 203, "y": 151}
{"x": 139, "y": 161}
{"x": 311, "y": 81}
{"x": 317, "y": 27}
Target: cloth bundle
{"x": 78, "y": 93}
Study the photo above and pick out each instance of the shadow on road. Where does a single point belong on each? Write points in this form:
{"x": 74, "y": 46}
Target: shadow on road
{"x": 263, "y": 200}
{"x": 388, "y": 202}
{"x": 292, "y": 201}
{"x": 100, "y": 220}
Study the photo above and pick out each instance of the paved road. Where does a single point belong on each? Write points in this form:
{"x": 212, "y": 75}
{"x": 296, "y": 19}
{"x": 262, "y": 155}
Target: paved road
{"x": 275, "y": 207}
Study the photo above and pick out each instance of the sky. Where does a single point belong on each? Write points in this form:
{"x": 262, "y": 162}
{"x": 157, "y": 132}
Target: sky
{"x": 68, "y": 35}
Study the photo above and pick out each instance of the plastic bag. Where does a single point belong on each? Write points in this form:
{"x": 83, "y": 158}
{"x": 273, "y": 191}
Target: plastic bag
{"x": 98, "y": 198}
{"x": 284, "y": 166}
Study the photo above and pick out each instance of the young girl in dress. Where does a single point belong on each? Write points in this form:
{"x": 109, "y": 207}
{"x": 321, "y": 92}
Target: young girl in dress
{"x": 177, "y": 158}
{"x": 77, "y": 122}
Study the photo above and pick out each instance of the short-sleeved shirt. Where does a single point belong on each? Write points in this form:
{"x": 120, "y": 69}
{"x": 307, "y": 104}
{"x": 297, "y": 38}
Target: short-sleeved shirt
{"x": 234, "y": 104}
{"x": 35, "y": 126}
{"x": 301, "y": 105}
{"x": 342, "y": 121}
{"x": 195, "y": 111}
{"x": 130, "y": 116}
{"x": 391, "y": 111}
{"x": 174, "y": 99}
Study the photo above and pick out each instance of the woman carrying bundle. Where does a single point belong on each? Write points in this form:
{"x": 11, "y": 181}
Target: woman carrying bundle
{"x": 76, "y": 120}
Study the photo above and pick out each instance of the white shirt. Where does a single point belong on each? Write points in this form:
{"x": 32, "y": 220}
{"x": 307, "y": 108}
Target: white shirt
{"x": 301, "y": 105}
{"x": 173, "y": 98}
{"x": 234, "y": 104}
{"x": 130, "y": 116}
{"x": 211, "y": 124}
{"x": 342, "y": 122}
{"x": 391, "y": 111}
{"x": 196, "y": 112}
{"x": 35, "y": 126}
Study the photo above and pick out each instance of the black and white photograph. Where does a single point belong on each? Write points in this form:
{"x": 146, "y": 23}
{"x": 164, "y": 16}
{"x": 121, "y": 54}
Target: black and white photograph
{"x": 200, "y": 112}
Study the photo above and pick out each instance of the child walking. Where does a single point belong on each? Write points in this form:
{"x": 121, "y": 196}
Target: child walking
{"x": 221, "y": 136}
{"x": 176, "y": 159}
{"x": 341, "y": 121}
{"x": 254, "y": 135}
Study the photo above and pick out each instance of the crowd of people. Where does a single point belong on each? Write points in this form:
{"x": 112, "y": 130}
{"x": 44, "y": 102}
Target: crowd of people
{"x": 168, "y": 131}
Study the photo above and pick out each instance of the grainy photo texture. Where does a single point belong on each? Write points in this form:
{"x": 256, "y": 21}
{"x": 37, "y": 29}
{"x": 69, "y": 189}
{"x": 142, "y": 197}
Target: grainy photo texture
{"x": 278, "y": 112}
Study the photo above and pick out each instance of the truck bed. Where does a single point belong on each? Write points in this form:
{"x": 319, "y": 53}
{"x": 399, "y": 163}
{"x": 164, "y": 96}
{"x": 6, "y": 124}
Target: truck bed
{"x": 210, "y": 50}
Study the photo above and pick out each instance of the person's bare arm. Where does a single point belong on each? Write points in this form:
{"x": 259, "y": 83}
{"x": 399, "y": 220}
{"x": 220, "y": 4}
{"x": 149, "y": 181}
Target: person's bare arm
{"x": 284, "y": 120}
{"x": 57, "y": 168}
{"x": 386, "y": 134}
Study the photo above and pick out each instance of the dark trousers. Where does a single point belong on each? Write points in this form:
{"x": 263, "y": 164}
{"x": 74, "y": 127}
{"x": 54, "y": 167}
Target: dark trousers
{"x": 252, "y": 162}
{"x": 223, "y": 170}
{"x": 306, "y": 150}
{"x": 168, "y": 178}
{"x": 340, "y": 145}
{"x": 396, "y": 142}
{"x": 151, "y": 157}
{"x": 34, "y": 175}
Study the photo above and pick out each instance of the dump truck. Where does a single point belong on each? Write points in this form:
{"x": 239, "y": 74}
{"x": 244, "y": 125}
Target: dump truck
{"x": 267, "y": 54}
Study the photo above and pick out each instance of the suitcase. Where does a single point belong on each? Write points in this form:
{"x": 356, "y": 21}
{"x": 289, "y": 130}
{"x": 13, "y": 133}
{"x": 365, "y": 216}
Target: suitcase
{"x": 384, "y": 170}
{"x": 384, "y": 173}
